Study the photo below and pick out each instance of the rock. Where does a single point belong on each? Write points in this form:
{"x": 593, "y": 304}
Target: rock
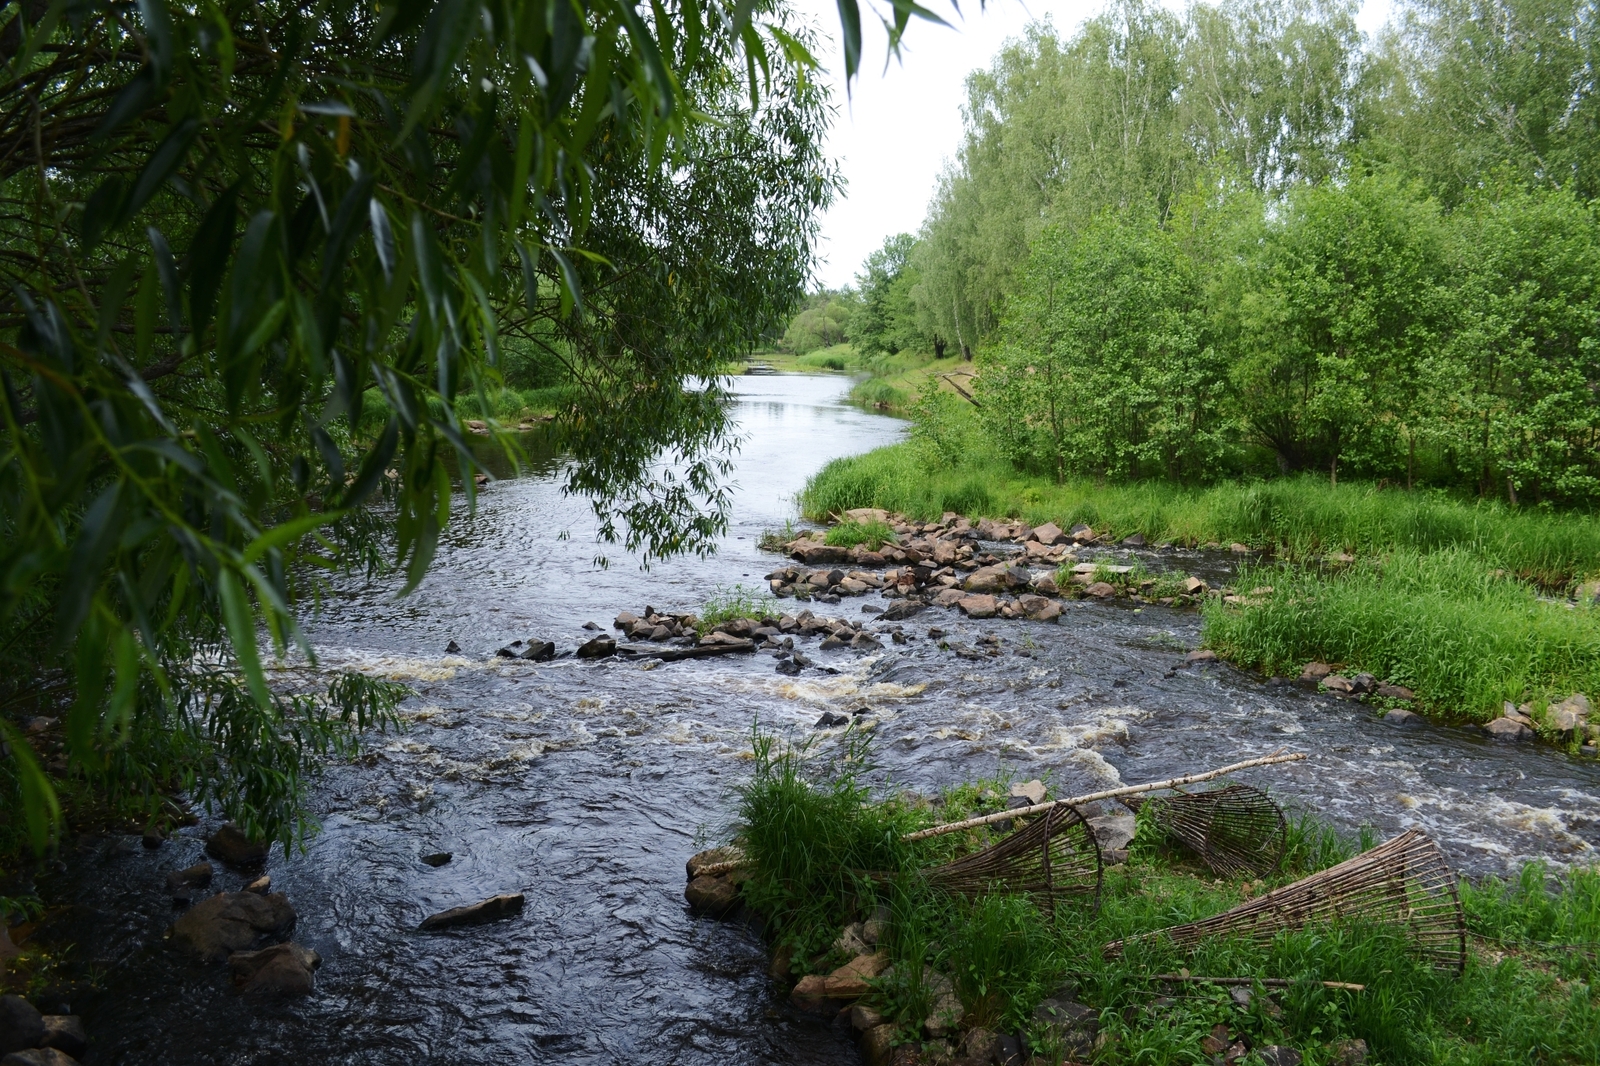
{"x": 495, "y": 907}
{"x": 1341, "y": 685}
{"x": 1315, "y": 671}
{"x": 864, "y": 1018}
{"x": 978, "y": 1048}
{"x": 711, "y": 896}
{"x": 1032, "y": 791}
{"x": 196, "y": 876}
{"x": 1363, "y": 684}
{"x": 789, "y": 667}
{"x": 1081, "y": 534}
{"x": 864, "y": 515}
{"x": 437, "y": 858}
{"x": 233, "y": 921}
{"x": 1274, "y": 1055}
{"x": 625, "y": 621}
{"x": 452, "y": 648}
{"x": 830, "y": 720}
{"x": 865, "y": 642}
{"x": 1008, "y": 1050}
{"x": 152, "y": 838}
{"x": 1073, "y": 1025}
{"x": 1201, "y": 655}
{"x": 281, "y": 970}
{"x": 1400, "y": 717}
{"x": 811, "y": 992}
{"x": 597, "y": 648}
{"x": 701, "y": 862}
{"x": 1135, "y": 541}
{"x": 978, "y": 606}
{"x": 65, "y": 1032}
{"x": 782, "y": 961}
{"x": 1350, "y": 1053}
{"x": 261, "y": 886}
{"x": 950, "y": 597}
{"x": 1395, "y": 692}
{"x": 1048, "y": 534}
{"x": 1508, "y": 729}
{"x": 850, "y": 980}
{"x": 876, "y": 927}
{"x": 1102, "y": 590}
{"x": 1193, "y": 586}
{"x": 230, "y": 845}
{"x": 42, "y": 1056}
{"x": 1570, "y": 715}
{"x": 1113, "y": 832}
{"x": 832, "y": 643}
{"x": 899, "y": 612}
{"x": 21, "y": 1026}
{"x": 852, "y": 941}
{"x": 877, "y": 1045}
{"x": 945, "y": 1016}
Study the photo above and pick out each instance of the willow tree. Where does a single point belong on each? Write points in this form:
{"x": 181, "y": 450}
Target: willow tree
{"x": 253, "y": 252}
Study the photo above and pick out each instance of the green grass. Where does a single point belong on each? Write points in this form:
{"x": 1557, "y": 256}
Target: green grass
{"x": 727, "y": 604}
{"x": 813, "y": 827}
{"x": 848, "y": 534}
{"x": 1300, "y": 517}
{"x": 1463, "y": 637}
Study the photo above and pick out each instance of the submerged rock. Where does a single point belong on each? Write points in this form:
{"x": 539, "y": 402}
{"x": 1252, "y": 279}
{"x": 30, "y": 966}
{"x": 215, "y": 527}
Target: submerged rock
{"x": 491, "y": 909}
{"x": 597, "y": 648}
{"x": 438, "y": 858}
{"x": 233, "y": 921}
{"x": 1400, "y": 717}
{"x": 39, "y": 1056}
{"x": 711, "y": 896}
{"x": 281, "y": 970}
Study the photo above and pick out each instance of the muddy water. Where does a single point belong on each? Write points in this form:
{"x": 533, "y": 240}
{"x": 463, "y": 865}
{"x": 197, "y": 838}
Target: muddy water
{"x": 587, "y": 784}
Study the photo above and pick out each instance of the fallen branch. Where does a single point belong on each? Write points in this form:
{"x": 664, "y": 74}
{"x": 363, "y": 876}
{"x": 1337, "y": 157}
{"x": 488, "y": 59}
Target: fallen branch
{"x": 1113, "y": 793}
{"x": 1270, "y": 982}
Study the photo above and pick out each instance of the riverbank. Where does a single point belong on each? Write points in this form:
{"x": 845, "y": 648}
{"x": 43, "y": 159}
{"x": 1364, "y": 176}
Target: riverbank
{"x": 990, "y": 976}
{"x": 889, "y": 383}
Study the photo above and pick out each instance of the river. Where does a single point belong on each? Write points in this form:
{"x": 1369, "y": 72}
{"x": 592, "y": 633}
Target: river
{"x": 587, "y": 784}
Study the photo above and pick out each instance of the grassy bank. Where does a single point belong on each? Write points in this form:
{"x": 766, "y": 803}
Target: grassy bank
{"x": 811, "y": 827}
{"x": 886, "y": 382}
{"x": 1298, "y": 518}
{"x": 1463, "y": 636}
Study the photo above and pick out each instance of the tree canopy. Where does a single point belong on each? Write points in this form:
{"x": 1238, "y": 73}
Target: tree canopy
{"x": 255, "y": 254}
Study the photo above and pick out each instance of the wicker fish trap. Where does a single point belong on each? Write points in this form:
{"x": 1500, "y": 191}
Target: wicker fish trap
{"x": 1403, "y": 883}
{"x": 1052, "y": 856}
{"x": 1237, "y": 829}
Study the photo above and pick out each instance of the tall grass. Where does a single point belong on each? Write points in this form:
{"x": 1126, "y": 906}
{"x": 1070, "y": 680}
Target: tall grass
{"x": 727, "y": 604}
{"x": 1300, "y": 517}
{"x": 1463, "y": 637}
{"x": 812, "y": 827}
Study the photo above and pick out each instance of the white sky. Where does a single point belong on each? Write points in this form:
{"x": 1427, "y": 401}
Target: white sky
{"x": 893, "y": 136}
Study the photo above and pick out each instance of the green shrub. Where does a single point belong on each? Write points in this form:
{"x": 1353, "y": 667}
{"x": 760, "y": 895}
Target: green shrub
{"x": 727, "y": 604}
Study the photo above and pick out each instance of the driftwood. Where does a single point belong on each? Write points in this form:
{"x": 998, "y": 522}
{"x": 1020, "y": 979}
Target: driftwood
{"x": 1053, "y": 856}
{"x": 1235, "y": 829}
{"x": 1403, "y": 883}
{"x": 1111, "y": 793}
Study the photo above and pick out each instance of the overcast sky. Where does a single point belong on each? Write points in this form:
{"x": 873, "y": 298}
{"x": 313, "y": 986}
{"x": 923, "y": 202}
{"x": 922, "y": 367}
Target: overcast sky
{"x": 893, "y": 136}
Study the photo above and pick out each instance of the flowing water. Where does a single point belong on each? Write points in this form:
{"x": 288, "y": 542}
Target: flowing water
{"x": 587, "y": 784}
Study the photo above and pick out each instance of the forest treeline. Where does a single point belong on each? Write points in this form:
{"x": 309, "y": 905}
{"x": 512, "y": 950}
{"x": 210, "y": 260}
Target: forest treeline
{"x": 1249, "y": 239}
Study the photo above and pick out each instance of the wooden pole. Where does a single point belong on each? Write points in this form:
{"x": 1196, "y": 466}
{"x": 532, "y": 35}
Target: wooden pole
{"x": 1112, "y": 793}
{"x": 1270, "y": 982}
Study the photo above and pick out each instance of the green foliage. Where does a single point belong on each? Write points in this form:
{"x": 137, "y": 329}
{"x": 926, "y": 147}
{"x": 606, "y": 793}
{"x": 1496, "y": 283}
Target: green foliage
{"x": 848, "y": 534}
{"x": 885, "y": 319}
{"x": 1558, "y": 923}
{"x": 1463, "y": 637}
{"x": 238, "y": 220}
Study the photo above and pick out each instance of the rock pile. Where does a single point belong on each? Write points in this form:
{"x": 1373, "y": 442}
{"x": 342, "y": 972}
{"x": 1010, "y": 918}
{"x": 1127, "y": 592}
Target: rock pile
{"x": 28, "y": 1038}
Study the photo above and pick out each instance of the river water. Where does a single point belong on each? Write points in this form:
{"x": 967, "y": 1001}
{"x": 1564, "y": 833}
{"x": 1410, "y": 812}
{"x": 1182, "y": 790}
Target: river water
{"x": 587, "y": 784}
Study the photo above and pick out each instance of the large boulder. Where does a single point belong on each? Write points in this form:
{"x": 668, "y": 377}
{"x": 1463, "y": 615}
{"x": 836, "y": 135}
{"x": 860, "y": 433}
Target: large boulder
{"x": 233, "y": 921}
{"x": 1508, "y": 729}
{"x": 597, "y": 648}
{"x": 491, "y": 909}
{"x": 281, "y": 970}
{"x": 1570, "y": 715}
{"x": 231, "y": 845}
{"x": 21, "y": 1026}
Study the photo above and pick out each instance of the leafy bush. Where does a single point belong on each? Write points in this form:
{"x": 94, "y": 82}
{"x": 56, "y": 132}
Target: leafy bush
{"x": 727, "y": 604}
